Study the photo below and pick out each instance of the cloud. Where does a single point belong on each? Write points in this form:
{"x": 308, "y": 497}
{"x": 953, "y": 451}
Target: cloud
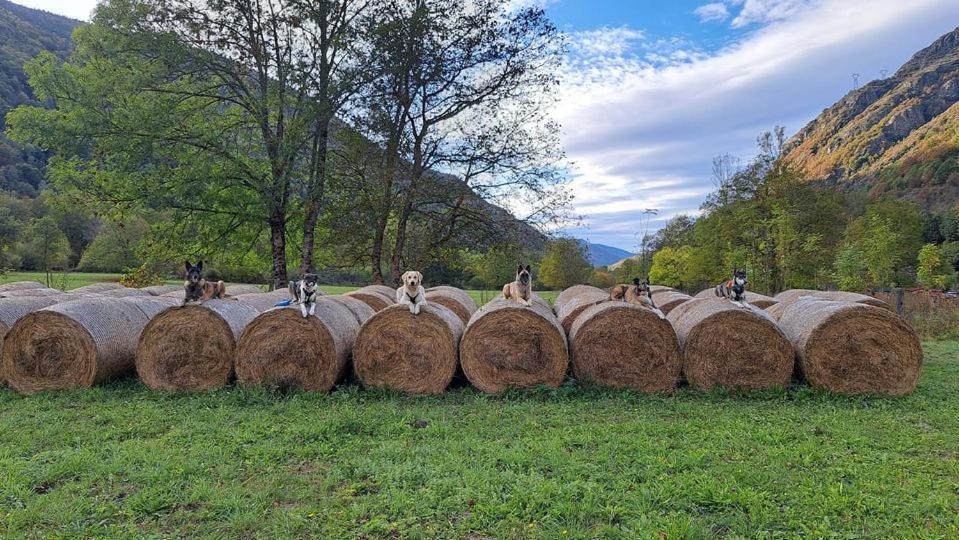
{"x": 605, "y": 41}
{"x": 716, "y": 11}
{"x": 642, "y": 121}
{"x": 766, "y": 11}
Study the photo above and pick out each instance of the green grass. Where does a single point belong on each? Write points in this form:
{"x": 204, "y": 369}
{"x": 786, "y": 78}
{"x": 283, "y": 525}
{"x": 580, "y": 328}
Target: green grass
{"x": 575, "y": 462}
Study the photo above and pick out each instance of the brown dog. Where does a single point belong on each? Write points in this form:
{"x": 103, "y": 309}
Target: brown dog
{"x": 197, "y": 289}
{"x": 637, "y": 293}
{"x": 521, "y": 289}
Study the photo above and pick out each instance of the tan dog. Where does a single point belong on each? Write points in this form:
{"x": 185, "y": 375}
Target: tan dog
{"x": 521, "y": 289}
{"x": 638, "y": 293}
{"x": 412, "y": 293}
{"x": 197, "y": 289}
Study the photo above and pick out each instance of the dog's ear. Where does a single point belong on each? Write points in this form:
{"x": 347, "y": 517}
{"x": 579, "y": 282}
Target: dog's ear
{"x": 636, "y": 281}
{"x": 188, "y": 265}
{"x": 528, "y": 269}
{"x": 519, "y": 268}
{"x": 419, "y": 277}
{"x": 199, "y": 265}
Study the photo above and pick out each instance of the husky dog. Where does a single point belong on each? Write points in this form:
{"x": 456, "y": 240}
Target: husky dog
{"x": 303, "y": 292}
{"x": 197, "y": 289}
{"x": 412, "y": 293}
{"x": 735, "y": 288}
{"x": 521, "y": 289}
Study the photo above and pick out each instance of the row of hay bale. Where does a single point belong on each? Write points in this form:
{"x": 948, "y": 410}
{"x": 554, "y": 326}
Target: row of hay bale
{"x": 843, "y": 342}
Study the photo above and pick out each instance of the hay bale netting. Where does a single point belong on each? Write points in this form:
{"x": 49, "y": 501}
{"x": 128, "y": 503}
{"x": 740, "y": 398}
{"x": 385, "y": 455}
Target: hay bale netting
{"x": 575, "y": 305}
{"x": 21, "y": 285}
{"x": 157, "y": 290}
{"x": 572, "y": 292}
{"x": 837, "y": 296}
{"x": 508, "y": 345}
{"x": 19, "y": 293}
{"x": 264, "y": 301}
{"x": 361, "y": 310}
{"x": 192, "y": 347}
{"x": 125, "y": 293}
{"x": 759, "y": 300}
{"x": 373, "y": 297}
{"x": 853, "y": 348}
{"x": 656, "y": 289}
{"x": 385, "y": 290}
{"x": 623, "y": 345}
{"x": 667, "y": 301}
{"x": 415, "y": 354}
{"x": 281, "y": 348}
{"x": 730, "y": 346}
{"x": 456, "y": 300}
{"x": 98, "y": 287}
{"x": 236, "y": 289}
{"x": 73, "y": 344}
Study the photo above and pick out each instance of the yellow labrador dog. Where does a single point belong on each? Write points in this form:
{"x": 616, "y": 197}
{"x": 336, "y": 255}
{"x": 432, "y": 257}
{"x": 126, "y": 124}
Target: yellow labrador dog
{"x": 412, "y": 293}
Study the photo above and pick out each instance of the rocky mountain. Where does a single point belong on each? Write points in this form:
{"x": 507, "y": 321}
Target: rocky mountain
{"x": 898, "y": 135}
{"x": 603, "y": 255}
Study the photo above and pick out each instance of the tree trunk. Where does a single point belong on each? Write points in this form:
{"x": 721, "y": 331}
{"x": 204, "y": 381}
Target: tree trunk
{"x": 376, "y": 258}
{"x": 396, "y": 258}
{"x": 314, "y": 197}
{"x": 278, "y": 244}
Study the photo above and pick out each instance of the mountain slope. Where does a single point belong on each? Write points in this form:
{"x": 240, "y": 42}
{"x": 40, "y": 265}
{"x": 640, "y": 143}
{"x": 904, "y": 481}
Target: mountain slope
{"x": 603, "y": 255}
{"x": 898, "y": 135}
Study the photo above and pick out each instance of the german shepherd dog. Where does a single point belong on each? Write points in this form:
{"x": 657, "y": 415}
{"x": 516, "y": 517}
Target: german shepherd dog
{"x": 197, "y": 289}
{"x": 735, "y": 288}
{"x": 521, "y": 289}
{"x": 303, "y": 292}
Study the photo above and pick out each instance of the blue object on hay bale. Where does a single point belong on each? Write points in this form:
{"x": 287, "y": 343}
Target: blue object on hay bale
{"x": 283, "y": 303}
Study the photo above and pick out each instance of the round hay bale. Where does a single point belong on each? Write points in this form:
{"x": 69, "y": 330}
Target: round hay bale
{"x": 12, "y": 309}
{"x": 373, "y": 297}
{"x": 157, "y": 290}
{"x": 653, "y": 289}
{"x": 575, "y": 305}
{"x": 853, "y": 348}
{"x": 759, "y": 300}
{"x": 282, "y": 348}
{"x": 837, "y": 296}
{"x": 21, "y": 285}
{"x": 178, "y": 294}
{"x": 568, "y": 294}
{"x": 264, "y": 301}
{"x": 73, "y": 344}
{"x": 125, "y": 293}
{"x": 534, "y": 299}
{"x": 508, "y": 345}
{"x": 236, "y": 289}
{"x": 191, "y": 348}
{"x": 667, "y": 301}
{"x": 361, "y": 310}
{"x": 98, "y": 287}
{"x": 385, "y": 290}
{"x": 622, "y": 345}
{"x": 415, "y": 354}
{"x": 20, "y": 293}
{"x": 456, "y": 300}
{"x": 730, "y": 346}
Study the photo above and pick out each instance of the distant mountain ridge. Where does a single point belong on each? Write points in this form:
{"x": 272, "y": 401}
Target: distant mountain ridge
{"x": 898, "y": 135}
{"x": 603, "y": 255}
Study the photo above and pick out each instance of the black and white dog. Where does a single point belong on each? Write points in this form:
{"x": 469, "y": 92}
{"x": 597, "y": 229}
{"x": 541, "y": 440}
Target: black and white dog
{"x": 304, "y": 293}
{"x": 734, "y": 289}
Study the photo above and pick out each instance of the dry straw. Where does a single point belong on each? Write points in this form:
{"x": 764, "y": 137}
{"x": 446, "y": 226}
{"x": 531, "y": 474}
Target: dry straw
{"x": 573, "y": 306}
{"x": 265, "y": 301}
{"x": 12, "y": 309}
{"x": 730, "y": 346}
{"x": 838, "y": 296}
{"x": 383, "y": 289}
{"x": 361, "y": 310}
{"x": 667, "y": 301}
{"x": 456, "y": 300}
{"x": 98, "y": 287}
{"x": 18, "y": 293}
{"x": 508, "y": 345}
{"x": 415, "y": 354}
{"x": 73, "y": 344}
{"x": 374, "y": 297}
{"x": 157, "y": 290}
{"x": 853, "y": 348}
{"x": 191, "y": 348}
{"x": 281, "y": 348}
{"x": 622, "y": 345}
{"x": 125, "y": 293}
{"x": 759, "y": 300}
{"x": 568, "y": 294}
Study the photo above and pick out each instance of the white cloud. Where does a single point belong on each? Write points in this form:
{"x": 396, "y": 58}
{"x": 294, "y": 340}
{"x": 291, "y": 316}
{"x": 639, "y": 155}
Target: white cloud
{"x": 716, "y": 11}
{"x": 766, "y": 11}
{"x": 642, "y": 123}
{"x": 605, "y": 41}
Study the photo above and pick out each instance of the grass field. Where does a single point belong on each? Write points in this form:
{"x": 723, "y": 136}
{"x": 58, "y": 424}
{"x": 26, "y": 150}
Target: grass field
{"x": 571, "y": 462}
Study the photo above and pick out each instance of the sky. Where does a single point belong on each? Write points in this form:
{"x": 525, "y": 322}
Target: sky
{"x": 653, "y": 90}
